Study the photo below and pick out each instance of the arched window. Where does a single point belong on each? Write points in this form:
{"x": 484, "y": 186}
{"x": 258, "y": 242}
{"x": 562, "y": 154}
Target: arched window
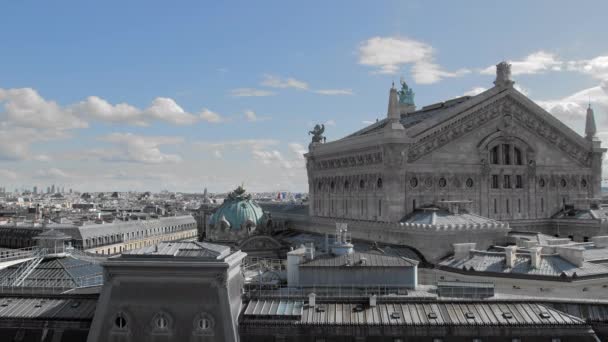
{"x": 332, "y": 185}
{"x": 583, "y": 183}
{"x": 379, "y": 183}
{"x": 346, "y": 185}
{"x": 362, "y": 184}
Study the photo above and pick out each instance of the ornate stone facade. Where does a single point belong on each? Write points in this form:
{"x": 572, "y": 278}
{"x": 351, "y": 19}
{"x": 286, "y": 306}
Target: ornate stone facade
{"x": 498, "y": 149}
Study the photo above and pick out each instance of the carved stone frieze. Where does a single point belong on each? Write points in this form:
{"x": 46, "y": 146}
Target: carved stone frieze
{"x": 350, "y": 161}
{"x": 512, "y": 112}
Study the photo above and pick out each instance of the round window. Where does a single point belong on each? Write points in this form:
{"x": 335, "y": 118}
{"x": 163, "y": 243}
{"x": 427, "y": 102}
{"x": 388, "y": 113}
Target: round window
{"x": 469, "y": 183}
{"x": 120, "y": 322}
{"x": 428, "y": 182}
{"x": 204, "y": 324}
{"x": 442, "y": 182}
{"x": 413, "y": 182}
{"x": 541, "y": 183}
{"x": 161, "y": 322}
{"x": 563, "y": 183}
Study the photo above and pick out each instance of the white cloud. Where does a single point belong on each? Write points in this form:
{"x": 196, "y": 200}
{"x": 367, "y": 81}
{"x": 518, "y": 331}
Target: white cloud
{"x": 140, "y": 149}
{"x": 297, "y": 149}
{"x": 389, "y": 54}
{"x": 274, "y": 81}
{"x": 100, "y": 109}
{"x": 475, "y": 91}
{"x": 334, "y": 91}
{"x": 535, "y": 63}
{"x": 236, "y": 144}
{"x": 210, "y": 116}
{"x": 427, "y": 73}
{"x": 574, "y": 107}
{"x": 24, "y": 107}
{"x": 330, "y": 122}
{"x": 15, "y": 142}
{"x": 596, "y": 67}
{"x": 251, "y": 92}
{"x": 251, "y": 116}
{"x": 166, "y": 109}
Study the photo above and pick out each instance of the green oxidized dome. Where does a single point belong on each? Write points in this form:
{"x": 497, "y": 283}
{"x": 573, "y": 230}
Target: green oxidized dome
{"x": 238, "y": 209}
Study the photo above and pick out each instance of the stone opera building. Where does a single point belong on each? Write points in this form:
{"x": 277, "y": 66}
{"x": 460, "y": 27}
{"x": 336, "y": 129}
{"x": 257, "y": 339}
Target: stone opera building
{"x": 497, "y": 156}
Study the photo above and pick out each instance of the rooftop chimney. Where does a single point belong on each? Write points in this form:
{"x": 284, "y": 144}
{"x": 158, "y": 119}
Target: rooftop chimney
{"x": 372, "y": 301}
{"x": 312, "y": 299}
{"x": 535, "y": 257}
{"x": 573, "y": 254}
{"x": 510, "y": 256}
{"x": 600, "y": 241}
{"x": 462, "y": 250}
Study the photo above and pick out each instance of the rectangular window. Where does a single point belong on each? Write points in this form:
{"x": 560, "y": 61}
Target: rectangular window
{"x": 542, "y": 205}
{"x": 494, "y": 155}
{"x": 379, "y": 208}
{"x": 494, "y": 181}
{"x": 519, "y": 205}
{"x": 508, "y": 207}
{"x": 518, "y": 182}
{"x": 495, "y": 209}
{"x": 413, "y": 205}
{"x": 506, "y": 154}
{"x": 507, "y": 182}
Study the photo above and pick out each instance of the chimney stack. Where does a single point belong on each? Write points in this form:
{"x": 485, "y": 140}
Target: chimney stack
{"x": 535, "y": 257}
{"x": 462, "y": 250}
{"x": 312, "y": 299}
{"x": 510, "y": 256}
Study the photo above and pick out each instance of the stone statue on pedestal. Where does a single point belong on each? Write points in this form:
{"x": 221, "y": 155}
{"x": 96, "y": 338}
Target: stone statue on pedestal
{"x": 317, "y": 133}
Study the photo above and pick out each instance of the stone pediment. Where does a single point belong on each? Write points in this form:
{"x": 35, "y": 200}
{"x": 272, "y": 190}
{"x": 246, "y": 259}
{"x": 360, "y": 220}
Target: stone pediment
{"x": 510, "y": 114}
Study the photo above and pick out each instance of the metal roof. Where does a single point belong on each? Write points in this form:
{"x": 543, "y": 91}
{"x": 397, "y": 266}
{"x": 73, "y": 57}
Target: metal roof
{"x": 444, "y": 217}
{"x": 65, "y": 272}
{"x": 421, "y": 314}
{"x": 180, "y": 249}
{"x": 358, "y": 259}
{"x": 75, "y": 308}
{"x": 550, "y": 265}
{"x": 277, "y": 308}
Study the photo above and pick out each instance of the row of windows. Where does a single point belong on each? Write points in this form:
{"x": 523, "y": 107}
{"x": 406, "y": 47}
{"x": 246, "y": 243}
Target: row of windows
{"x": 442, "y": 182}
{"x": 162, "y": 322}
{"x": 117, "y": 238}
{"x": 506, "y": 154}
{"x": 506, "y": 182}
{"x": 563, "y": 183}
{"x": 353, "y": 207}
{"x": 346, "y": 186}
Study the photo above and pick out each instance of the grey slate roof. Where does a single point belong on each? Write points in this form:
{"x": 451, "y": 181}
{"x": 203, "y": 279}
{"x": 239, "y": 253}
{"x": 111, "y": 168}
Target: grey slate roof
{"x": 444, "y": 217}
{"x": 121, "y": 227}
{"x": 67, "y": 308}
{"x": 551, "y": 265}
{"x": 355, "y": 259}
{"x": 189, "y": 249}
{"x": 468, "y": 313}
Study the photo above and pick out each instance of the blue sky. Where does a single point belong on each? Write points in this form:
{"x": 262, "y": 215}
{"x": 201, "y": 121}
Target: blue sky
{"x": 148, "y": 95}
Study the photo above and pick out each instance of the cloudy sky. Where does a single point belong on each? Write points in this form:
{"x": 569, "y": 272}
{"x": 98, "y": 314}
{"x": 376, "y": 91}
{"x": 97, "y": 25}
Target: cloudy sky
{"x": 147, "y": 95}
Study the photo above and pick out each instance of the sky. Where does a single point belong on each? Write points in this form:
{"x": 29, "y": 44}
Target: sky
{"x": 183, "y": 95}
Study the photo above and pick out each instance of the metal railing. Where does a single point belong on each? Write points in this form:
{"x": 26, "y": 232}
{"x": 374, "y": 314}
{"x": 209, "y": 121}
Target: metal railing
{"x": 26, "y": 268}
{"x": 350, "y": 291}
{"x": 15, "y": 254}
